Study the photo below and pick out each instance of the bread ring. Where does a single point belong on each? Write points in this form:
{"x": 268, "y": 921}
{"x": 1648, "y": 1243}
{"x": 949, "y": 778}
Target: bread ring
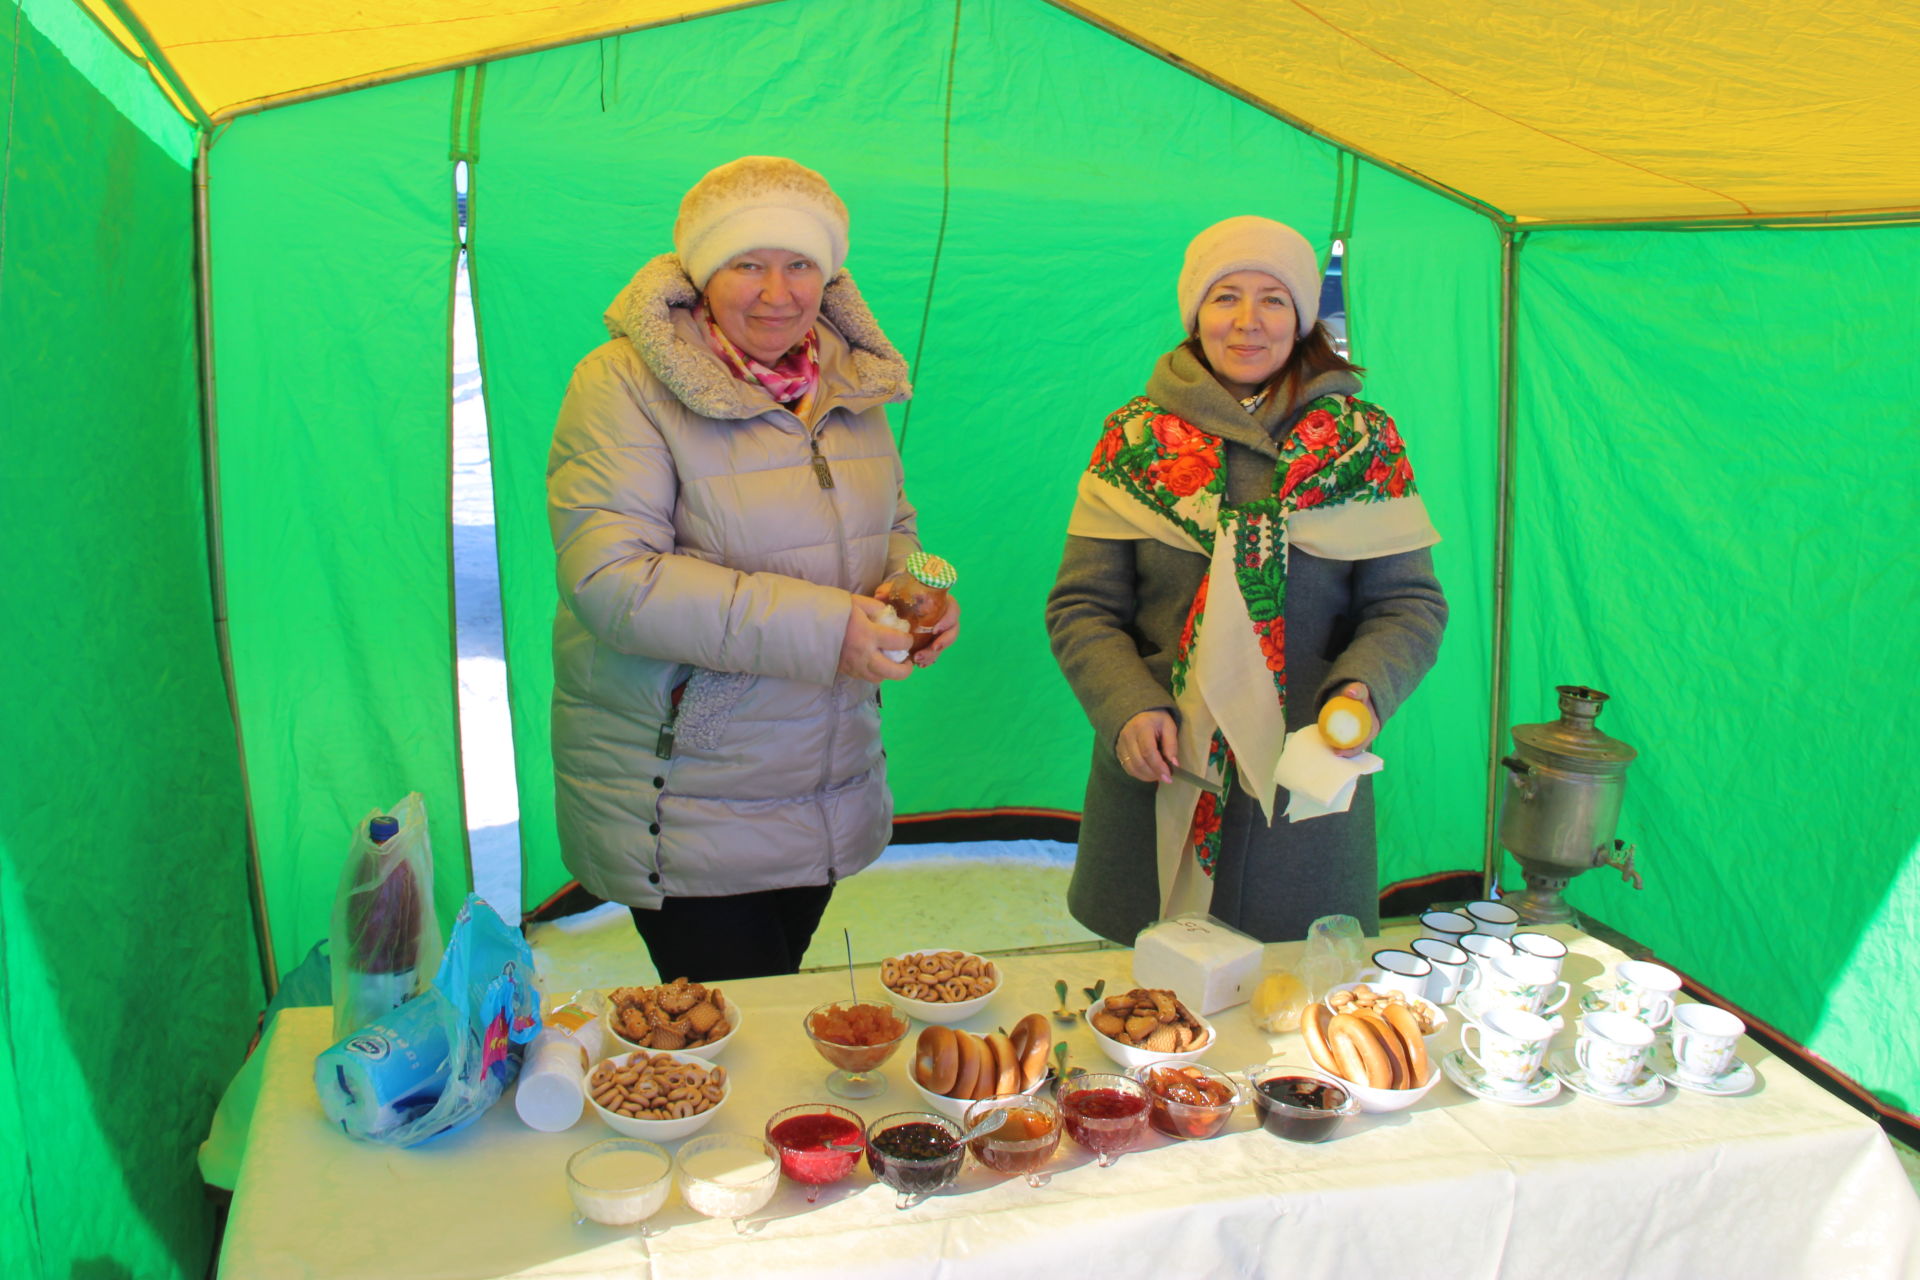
{"x": 972, "y": 1060}
{"x": 1407, "y": 1026}
{"x": 953, "y": 990}
{"x": 936, "y": 1059}
{"x": 1363, "y": 1059}
{"x": 1313, "y": 1029}
{"x": 1006, "y": 1065}
{"x": 1390, "y": 1042}
{"x": 889, "y": 972}
{"x": 1033, "y": 1041}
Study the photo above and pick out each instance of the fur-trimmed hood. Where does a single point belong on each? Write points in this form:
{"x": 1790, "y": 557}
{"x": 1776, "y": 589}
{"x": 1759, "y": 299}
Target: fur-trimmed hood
{"x": 643, "y": 313}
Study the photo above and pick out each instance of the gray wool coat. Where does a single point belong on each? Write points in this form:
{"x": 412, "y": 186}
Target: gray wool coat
{"x": 1114, "y": 618}
{"x": 697, "y": 548}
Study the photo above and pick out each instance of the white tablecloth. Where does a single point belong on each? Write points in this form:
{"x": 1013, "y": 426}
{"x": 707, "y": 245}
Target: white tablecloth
{"x": 1784, "y": 1181}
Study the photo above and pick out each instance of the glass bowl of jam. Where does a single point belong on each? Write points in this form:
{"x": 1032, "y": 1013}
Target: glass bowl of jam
{"x": 1105, "y": 1113}
{"x": 857, "y": 1038}
{"x": 1188, "y": 1100}
{"x": 1298, "y": 1103}
{"x": 819, "y": 1144}
{"x": 1025, "y": 1140}
{"x": 916, "y": 1153}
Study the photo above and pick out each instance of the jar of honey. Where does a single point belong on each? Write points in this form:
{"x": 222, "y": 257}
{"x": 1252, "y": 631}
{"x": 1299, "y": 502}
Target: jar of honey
{"x": 918, "y": 594}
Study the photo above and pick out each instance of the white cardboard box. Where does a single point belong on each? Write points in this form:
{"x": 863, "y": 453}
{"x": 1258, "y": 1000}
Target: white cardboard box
{"x": 1209, "y": 965}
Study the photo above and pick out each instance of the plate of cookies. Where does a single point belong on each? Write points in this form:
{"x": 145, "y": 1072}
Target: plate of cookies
{"x": 939, "y": 986}
{"x": 675, "y": 1017}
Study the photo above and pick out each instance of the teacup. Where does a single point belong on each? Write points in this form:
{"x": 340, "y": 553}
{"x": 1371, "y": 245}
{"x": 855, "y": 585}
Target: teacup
{"x": 1703, "y": 1040}
{"x": 1644, "y": 990}
{"x": 1445, "y": 926}
{"x": 1400, "y": 971}
{"x": 1525, "y": 983}
{"x": 1541, "y": 947}
{"x": 1496, "y": 919}
{"x": 1511, "y": 1047}
{"x": 1449, "y": 967}
{"x": 1612, "y": 1049}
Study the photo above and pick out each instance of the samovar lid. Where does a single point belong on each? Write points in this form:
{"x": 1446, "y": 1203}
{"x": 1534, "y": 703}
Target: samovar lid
{"x": 1571, "y": 742}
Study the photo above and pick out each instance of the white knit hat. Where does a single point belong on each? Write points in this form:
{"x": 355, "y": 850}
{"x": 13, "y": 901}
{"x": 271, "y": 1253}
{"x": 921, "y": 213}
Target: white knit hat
{"x": 759, "y": 202}
{"x": 1251, "y": 243}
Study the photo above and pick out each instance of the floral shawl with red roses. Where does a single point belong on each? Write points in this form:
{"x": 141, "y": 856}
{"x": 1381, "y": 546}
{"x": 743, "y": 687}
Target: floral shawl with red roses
{"x": 1342, "y": 489}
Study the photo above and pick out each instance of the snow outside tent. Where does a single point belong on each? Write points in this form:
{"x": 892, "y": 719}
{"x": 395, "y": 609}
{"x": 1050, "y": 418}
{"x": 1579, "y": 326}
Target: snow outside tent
{"x": 1639, "y": 285}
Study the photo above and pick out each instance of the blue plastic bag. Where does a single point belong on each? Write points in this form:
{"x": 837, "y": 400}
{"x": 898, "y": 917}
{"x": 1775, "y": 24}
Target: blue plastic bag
{"x": 437, "y": 1062}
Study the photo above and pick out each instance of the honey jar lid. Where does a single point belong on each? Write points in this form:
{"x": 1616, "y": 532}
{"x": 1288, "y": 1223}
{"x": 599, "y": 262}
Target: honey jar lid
{"x": 932, "y": 570}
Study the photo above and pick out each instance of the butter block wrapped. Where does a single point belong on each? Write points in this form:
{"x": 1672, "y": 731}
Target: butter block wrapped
{"x": 1208, "y": 964}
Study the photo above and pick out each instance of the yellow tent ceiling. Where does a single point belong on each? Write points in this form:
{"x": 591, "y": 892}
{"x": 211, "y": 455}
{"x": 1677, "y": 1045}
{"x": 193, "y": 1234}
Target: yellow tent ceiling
{"x": 1540, "y": 109}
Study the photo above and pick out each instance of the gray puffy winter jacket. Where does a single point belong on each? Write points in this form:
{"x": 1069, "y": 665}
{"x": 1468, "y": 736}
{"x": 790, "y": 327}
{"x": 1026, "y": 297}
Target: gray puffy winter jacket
{"x": 703, "y": 742}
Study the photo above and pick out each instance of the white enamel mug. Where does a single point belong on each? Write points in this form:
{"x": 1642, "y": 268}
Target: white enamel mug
{"x": 1703, "y": 1041}
{"x": 1449, "y": 967}
{"x": 1526, "y": 983}
{"x": 1612, "y": 1049}
{"x": 1646, "y": 991}
{"x": 1511, "y": 1046}
{"x": 1445, "y": 926}
{"x": 1495, "y": 918}
{"x": 1482, "y": 950}
{"x": 1541, "y": 947}
{"x": 1401, "y": 971}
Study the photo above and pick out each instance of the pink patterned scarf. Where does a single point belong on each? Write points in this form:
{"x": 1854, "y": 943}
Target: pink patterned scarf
{"x": 792, "y": 376}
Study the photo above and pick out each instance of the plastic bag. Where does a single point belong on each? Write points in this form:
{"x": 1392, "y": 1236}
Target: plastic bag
{"x": 385, "y": 939}
{"x": 1335, "y": 950}
{"x": 440, "y": 1060}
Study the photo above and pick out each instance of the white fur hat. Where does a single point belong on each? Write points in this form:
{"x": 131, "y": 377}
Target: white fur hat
{"x": 759, "y": 202}
{"x": 1251, "y": 243}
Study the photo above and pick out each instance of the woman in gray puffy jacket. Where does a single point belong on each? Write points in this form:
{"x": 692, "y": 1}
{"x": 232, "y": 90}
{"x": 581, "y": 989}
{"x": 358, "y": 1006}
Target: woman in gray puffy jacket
{"x": 726, "y": 499}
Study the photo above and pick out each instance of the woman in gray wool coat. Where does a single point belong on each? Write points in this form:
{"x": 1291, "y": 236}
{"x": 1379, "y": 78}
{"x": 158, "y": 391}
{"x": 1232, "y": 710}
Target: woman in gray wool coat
{"x": 1246, "y": 543}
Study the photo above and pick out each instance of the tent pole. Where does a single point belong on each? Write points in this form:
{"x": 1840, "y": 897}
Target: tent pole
{"x": 157, "y": 65}
{"x": 1502, "y": 563}
{"x": 1757, "y": 221}
{"x": 216, "y": 553}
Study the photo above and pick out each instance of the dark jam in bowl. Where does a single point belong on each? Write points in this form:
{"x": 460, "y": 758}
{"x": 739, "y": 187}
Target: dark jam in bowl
{"x": 916, "y": 1157}
{"x": 1300, "y": 1108}
{"x": 1104, "y": 1120}
{"x": 804, "y": 1154}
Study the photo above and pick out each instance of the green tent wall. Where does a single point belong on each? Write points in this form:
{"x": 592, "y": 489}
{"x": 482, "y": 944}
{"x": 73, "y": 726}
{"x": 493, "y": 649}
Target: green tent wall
{"x": 1712, "y": 472}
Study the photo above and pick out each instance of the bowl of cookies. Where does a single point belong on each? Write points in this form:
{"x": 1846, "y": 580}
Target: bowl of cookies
{"x": 939, "y": 986}
{"x": 1147, "y": 1025}
{"x": 659, "y": 1096}
{"x": 676, "y": 1017}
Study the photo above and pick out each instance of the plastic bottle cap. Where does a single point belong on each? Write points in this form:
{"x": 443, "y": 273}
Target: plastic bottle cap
{"x": 932, "y": 570}
{"x": 383, "y": 828}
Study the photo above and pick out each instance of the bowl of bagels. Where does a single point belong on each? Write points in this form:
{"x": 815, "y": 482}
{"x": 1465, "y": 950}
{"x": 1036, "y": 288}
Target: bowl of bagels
{"x": 1375, "y": 1043}
{"x": 953, "y": 1069}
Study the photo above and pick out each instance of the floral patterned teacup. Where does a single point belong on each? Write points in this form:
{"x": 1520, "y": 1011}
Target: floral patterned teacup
{"x": 1524, "y": 983}
{"x": 1611, "y": 1050}
{"x": 1511, "y": 1045}
{"x": 1643, "y": 990}
{"x": 1703, "y": 1041}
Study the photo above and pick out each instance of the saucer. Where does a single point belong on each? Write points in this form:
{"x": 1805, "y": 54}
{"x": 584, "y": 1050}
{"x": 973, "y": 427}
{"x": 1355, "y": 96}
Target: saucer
{"x": 1740, "y": 1078}
{"x": 1466, "y": 1073}
{"x": 1645, "y": 1089}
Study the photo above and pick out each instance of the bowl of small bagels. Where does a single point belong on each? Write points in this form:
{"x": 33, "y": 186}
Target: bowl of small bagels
{"x": 1147, "y": 1025}
{"x": 939, "y": 986}
{"x": 675, "y": 1017}
{"x": 1375, "y": 1043}
{"x": 953, "y": 1069}
{"x": 661, "y": 1096}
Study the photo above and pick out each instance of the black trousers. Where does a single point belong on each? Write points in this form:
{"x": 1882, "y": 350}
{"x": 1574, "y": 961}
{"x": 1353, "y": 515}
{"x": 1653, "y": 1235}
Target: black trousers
{"x": 743, "y": 935}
